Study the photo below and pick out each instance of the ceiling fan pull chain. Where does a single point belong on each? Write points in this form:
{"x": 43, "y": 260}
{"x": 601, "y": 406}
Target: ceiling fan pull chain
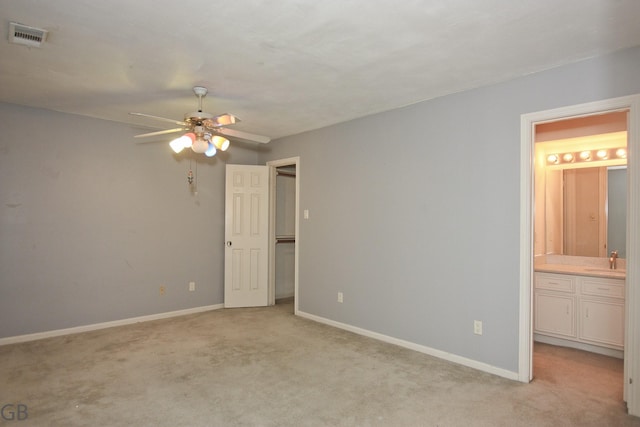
{"x": 190, "y": 174}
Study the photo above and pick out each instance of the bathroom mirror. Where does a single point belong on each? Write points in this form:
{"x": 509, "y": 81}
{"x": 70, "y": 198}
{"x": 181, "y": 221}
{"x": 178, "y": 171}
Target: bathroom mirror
{"x": 585, "y": 211}
{"x": 580, "y": 194}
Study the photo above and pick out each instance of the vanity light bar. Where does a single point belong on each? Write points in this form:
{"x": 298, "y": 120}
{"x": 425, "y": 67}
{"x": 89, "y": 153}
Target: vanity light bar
{"x": 587, "y": 156}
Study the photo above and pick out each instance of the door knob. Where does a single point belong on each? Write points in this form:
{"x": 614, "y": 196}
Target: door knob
{"x": 229, "y": 243}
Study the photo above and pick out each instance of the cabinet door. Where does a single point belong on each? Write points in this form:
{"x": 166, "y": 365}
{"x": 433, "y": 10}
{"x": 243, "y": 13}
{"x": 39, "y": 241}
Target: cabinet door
{"x": 555, "y": 314}
{"x": 602, "y": 322}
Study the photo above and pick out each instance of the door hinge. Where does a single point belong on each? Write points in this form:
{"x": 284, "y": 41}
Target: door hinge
{"x": 630, "y": 380}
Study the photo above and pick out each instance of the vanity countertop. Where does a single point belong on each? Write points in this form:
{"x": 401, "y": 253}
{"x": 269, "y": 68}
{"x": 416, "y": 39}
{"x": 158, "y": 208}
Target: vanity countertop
{"x": 581, "y": 270}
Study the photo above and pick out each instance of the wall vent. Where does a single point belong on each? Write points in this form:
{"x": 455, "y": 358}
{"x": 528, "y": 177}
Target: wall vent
{"x": 28, "y": 36}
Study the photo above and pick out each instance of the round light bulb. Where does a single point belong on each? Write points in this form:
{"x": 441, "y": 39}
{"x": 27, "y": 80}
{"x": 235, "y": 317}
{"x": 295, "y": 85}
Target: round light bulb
{"x": 602, "y": 154}
{"x": 621, "y": 153}
{"x": 585, "y": 155}
{"x": 568, "y": 157}
{"x": 552, "y": 158}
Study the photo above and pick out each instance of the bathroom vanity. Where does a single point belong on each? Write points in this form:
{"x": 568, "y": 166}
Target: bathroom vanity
{"x": 579, "y": 303}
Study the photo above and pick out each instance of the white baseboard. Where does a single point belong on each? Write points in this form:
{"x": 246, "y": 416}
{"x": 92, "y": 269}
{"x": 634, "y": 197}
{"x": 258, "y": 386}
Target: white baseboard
{"x": 104, "y": 325}
{"x": 417, "y": 347}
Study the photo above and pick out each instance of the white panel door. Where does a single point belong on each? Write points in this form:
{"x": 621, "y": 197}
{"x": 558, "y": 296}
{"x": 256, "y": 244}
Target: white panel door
{"x": 246, "y": 236}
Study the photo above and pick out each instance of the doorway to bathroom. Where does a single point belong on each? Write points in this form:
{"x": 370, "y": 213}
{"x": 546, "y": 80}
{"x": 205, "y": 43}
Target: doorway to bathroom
{"x": 529, "y": 235}
{"x": 579, "y": 217}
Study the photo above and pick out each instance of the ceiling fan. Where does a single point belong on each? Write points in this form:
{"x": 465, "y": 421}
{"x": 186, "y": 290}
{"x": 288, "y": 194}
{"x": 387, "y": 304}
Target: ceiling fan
{"x": 205, "y": 133}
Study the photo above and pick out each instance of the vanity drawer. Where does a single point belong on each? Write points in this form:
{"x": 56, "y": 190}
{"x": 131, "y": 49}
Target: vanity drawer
{"x": 602, "y": 287}
{"x": 555, "y": 282}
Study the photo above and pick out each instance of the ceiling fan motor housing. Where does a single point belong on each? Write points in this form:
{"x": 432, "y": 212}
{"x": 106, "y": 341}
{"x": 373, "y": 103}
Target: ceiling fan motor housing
{"x": 197, "y": 117}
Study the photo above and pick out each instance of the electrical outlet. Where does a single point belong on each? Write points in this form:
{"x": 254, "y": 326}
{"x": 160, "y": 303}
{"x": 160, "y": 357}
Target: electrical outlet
{"x": 477, "y": 327}
{"x": 162, "y": 289}
{"x": 192, "y": 286}
{"x": 340, "y": 297}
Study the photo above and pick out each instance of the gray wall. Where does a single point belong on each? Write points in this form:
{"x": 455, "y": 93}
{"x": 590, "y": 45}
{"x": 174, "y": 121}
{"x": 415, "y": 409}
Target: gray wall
{"x": 414, "y": 213}
{"x": 92, "y": 223}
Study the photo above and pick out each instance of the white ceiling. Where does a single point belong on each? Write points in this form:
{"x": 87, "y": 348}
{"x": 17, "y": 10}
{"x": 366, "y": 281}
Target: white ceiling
{"x": 288, "y": 66}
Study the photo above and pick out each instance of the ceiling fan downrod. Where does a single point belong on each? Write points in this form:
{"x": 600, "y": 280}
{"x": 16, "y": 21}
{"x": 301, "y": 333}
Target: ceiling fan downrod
{"x": 200, "y": 92}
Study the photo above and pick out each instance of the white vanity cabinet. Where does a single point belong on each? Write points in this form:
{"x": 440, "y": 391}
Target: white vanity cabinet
{"x": 555, "y": 305}
{"x": 602, "y": 311}
{"x": 580, "y": 308}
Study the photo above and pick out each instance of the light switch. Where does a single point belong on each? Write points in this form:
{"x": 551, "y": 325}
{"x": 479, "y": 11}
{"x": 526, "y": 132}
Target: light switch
{"x": 306, "y": 214}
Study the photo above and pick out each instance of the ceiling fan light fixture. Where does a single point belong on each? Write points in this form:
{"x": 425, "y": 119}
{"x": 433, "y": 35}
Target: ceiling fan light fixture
{"x": 202, "y": 129}
{"x": 188, "y": 139}
{"x": 200, "y": 145}
{"x": 177, "y": 145}
{"x": 211, "y": 151}
{"x": 220, "y": 143}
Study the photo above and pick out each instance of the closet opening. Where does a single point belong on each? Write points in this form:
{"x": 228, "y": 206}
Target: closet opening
{"x": 284, "y": 233}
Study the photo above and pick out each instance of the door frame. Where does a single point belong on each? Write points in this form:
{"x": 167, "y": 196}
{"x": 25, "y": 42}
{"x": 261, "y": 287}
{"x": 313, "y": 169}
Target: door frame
{"x": 273, "y": 165}
{"x": 632, "y": 300}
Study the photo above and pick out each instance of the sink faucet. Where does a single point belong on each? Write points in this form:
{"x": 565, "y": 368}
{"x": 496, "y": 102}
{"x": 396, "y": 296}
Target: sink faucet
{"x": 612, "y": 260}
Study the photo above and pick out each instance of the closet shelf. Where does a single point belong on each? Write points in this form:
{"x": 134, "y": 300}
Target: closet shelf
{"x": 285, "y": 239}
{"x": 285, "y": 172}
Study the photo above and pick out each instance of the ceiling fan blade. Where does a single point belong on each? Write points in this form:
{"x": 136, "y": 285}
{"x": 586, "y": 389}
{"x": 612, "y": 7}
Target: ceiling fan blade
{"x": 243, "y": 135}
{"x": 225, "y": 119}
{"x": 160, "y": 132}
{"x": 175, "y": 122}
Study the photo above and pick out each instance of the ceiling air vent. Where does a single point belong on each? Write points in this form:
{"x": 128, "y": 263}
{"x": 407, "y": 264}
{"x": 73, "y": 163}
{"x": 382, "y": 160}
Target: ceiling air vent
{"x": 28, "y": 36}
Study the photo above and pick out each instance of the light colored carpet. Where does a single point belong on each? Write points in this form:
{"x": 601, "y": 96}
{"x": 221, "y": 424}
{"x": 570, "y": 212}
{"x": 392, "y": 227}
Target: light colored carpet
{"x": 266, "y": 367}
